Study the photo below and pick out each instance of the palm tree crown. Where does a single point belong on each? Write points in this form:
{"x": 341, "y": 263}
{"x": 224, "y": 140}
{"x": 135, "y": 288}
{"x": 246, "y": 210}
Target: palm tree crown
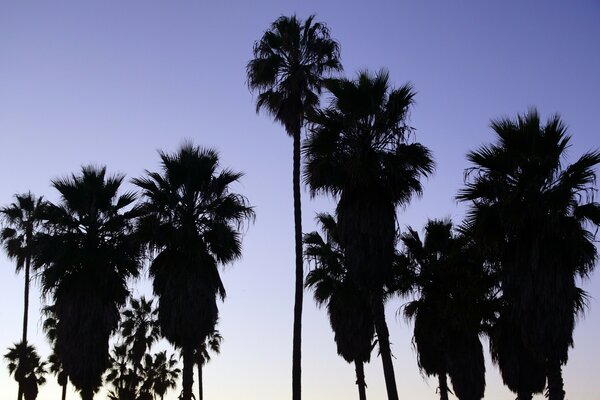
{"x": 87, "y": 254}
{"x": 192, "y": 220}
{"x": 534, "y": 212}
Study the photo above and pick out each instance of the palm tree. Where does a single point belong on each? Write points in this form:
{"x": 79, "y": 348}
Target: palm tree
{"x": 160, "y": 373}
{"x": 358, "y": 152}
{"x": 348, "y": 309}
{"x": 87, "y": 254}
{"x": 27, "y": 367}
{"x": 202, "y": 356}
{"x": 535, "y": 214}
{"x": 192, "y": 220}
{"x": 54, "y": 364}
{"x": 452, "y": 301}
{"x": 120, "y": 375}
{"x": 22, "y": 221}
{"x": 139, "y": 328}
{"x": 290, "y": 62}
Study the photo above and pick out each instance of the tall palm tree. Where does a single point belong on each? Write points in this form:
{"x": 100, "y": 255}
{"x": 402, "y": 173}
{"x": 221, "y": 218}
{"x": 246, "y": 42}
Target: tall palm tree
{"x": 358, "y": 151}
{"x": 290, "y": 62}
{"x": 348, "y": 309}
{"x": 27, "y": 367}
{"x": 22, "y": 221}
{"x": 87, "y": 254}
{"x": 139, "y": 328}
{"x": 54, "y": 364}
{"x": 202, "y": 356}
{"x": 452, "y": 289}
{"x": 192, "y": 220}
{"x": 535, "y": 213}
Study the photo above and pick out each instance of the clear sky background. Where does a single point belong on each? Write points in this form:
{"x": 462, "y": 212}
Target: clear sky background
{"x": 111, "y": 82}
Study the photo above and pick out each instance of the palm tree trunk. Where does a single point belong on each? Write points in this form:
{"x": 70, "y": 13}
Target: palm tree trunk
{"x": 25, "y": 312}
{"x": 360, "y": 380}
{"x": 87, "y": 394}
{"x": 555, "y": 380}
{"x": 443, "y": 386}
{"x": 64, "y": 392}
{"x": 200, "y": 391}
{"x": 188, "y": 373}
{"x": 383, "y": 337}
{"x": 524, "y": 396}
{"x": 299, "y": 287}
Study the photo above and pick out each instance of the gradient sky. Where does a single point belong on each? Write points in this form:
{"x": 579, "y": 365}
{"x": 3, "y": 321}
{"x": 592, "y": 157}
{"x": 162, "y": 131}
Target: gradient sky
{"x": 111, "y": 82}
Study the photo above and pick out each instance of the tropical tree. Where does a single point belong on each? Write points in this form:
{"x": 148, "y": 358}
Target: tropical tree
{"x": 192, "y": 221}
{"x": 202, "y": 356}
{"x": 348, "y": 309}
{"x": 139, "y": 328}
{"x": 22, "y": 221}
{"x": 54, "y": 364}
{"x": 535, "y": 213}
{"x": 160, "y": 373}
{"x": 452, "y": 301}
{"x": 87, "y": 254}
{"x": 290, "y": 62}
{"x": 121, "y": 375}
{"x": 28, "y": 369}
{"x": 358, "y": 151}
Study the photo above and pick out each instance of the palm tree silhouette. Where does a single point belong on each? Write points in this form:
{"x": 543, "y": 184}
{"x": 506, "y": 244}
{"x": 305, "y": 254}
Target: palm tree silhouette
{"x": 535, "y": 212}
{"x": 452, "y": 292}
{"x": 290, "y": 61}
{"x": 120, "y": 375}
{"x": 192, "y": 220}
{"x": 28, "y": 369}
{"x": 202, "y": 356}
{"x": 161, "y": 373}
{"x": 87, "y": 254}
{"x": 139, "y": 328}
{"x": 358, "y": 152}
{"x": 22, "y": 221}
{"x": 54, "y": 364}
{"x": 348, "y": 308}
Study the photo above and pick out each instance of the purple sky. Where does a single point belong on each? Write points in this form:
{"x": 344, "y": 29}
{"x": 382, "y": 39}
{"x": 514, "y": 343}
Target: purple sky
{"x": 112, "y": 82}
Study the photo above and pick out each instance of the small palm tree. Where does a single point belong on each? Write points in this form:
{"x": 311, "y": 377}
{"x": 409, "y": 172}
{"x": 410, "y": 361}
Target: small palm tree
{"x": 290, "y": 62}
{"x": 348, "y": 309}
{"x": 87, "y": 254}
{"x": 192, "y": 220}
{"x": 535, "y": 214}
{"x": 452, "y": 289}
{"x": 160, "y": 373}
{"x": 28, "y": 369}
{"x": 358, "y": 151}
{"x": 139, "y": 328}
{"x": 22, "y": 220}
{"x": 120, "y": 375}
{"x": 202, "y": 356}
{"x": 54, "y": 364}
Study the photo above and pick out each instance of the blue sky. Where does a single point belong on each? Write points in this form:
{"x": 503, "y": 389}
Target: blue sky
{"x": 112, "y": 82}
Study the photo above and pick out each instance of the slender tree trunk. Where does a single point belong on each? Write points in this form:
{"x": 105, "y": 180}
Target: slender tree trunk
{"x": 555, "y": 380}
{"x": 87, "y": 394}
{"x": 299, "y": 287}
{"x": 25, "y": 312}
{"x": 383, "y": 337}
{"x": 64, "y": 392}
{"x": 200, "y": 389}
{"x": 188, "y": 373}
{"x": 524, "y": 396}
{"x": 360, "y": 380}
{"x": 443, "y": 386}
